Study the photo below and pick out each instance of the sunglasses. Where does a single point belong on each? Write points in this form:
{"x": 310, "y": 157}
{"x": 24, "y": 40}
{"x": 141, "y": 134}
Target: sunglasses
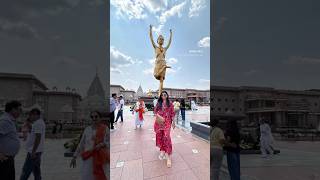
{"x": 94, "y": 117}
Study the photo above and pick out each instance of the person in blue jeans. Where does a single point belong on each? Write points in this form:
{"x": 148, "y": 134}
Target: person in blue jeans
{"x": 34, "y": 146}
{"x": 183, "y": 110}
{"x": 232, "y": 148}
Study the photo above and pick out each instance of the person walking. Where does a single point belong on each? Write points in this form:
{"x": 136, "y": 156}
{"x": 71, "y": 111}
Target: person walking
{"x": 232, "y": 147}
{"x": 93, "y": 150}
{"x": 266, "y": 139}
{"x": 155, "y": 101}
{"x": 139, "y": 111}
{"x": 120, "y": 109}
{"x": 34, "y": 147}
{"x": 162, "y": 126}
{"x": 176, "y": 106}
{"x": 113, "y": 106}
{"x": 183, "y": 111}
{"x": 217, "y": 143}
{"x": 55, "y": 129}
{"x": 9, "y": 139}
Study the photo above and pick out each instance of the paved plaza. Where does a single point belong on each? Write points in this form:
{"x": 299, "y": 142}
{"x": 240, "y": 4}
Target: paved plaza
{"x": 297, "y": 161}
{"x": 134, "y": 155}
{"x": 54, "y": 165}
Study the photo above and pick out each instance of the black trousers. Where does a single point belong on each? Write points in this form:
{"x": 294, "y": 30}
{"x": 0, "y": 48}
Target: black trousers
{"x": 111, "y": 120}
{"x": 7, "y": 170}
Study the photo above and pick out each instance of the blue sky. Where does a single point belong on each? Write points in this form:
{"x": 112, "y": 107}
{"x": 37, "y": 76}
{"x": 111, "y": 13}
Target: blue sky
{"x": 131, "y": 52}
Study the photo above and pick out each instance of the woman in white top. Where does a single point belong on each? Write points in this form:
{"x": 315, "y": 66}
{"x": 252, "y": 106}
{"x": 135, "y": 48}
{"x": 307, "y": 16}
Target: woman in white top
{"x": 88, "y": 146}
{"x": 266, "y": 138}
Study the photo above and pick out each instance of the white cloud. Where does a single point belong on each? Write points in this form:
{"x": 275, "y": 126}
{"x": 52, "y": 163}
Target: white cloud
{"x": 175, "y": 10}
{"x": 155, "y": 6}
{"x": 119, "y": 59}
{"x": 251, "y": 72}
{"x": 171, "y": 61}
{"x": 196, "y": 7}
{"x": 302, "y": 60}
{"x": 151, "y": 61}
{"x": 19, "y": 29}
{"x": 204, "y": 42}
{"x": 130, "y": 9}
{"x": 131, "y": 84}
{"x": 204, "y": 80}
{"x": 158, "y": 29}
{"x": 136, "y": 9}
{"x": 115, "y": 70}
{"x": 148, "y": 71}
{"x": 195, "y": 51}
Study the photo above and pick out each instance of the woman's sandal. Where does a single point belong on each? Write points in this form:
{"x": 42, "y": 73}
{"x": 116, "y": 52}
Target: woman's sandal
{"x": 169, "y": 163}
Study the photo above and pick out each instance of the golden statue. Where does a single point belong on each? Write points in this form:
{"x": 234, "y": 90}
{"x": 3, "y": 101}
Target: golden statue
{"x": 160, "y": 63}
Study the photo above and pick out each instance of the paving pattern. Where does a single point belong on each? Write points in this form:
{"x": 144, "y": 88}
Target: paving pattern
{"x": 297, "y": 161}
{"x": 134, "y": 155}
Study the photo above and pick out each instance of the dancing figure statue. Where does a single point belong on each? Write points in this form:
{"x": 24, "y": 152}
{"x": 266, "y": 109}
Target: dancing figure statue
{"x": 160, "y": 62}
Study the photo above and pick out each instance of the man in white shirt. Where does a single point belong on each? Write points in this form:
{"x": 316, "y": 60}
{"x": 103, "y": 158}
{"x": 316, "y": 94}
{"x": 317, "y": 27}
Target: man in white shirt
{"x": 113, "y": 107}
{"x": 34, "y": 146}
{"x": 120, "y": 109}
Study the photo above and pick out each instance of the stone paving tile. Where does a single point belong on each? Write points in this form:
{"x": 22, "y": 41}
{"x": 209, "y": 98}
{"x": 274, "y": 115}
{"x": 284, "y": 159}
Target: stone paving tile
{"x": 202, "y": 172}
{"x": 141, "y": 148}
{"x": 114, "y": 157}
{"x": 132, "y": 170}
{"x": 297, "y": 161}
{"x": 54, "y": 165}
{"x": 115, "y": 173}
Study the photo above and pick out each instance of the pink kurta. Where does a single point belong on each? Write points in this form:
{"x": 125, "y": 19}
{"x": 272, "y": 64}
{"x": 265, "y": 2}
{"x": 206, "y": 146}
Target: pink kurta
{"x": 163, "y": 139}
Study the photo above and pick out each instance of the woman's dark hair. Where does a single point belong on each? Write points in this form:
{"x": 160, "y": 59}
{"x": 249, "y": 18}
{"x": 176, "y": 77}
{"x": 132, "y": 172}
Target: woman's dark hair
{"x": 232, "y": 128}
{"x": 12, "y": 105}
{"x": 215, "y": 122}
{"x": 36, "y": 111}
{"x": 160, "y": 101}
{"x": 99, "y": 114}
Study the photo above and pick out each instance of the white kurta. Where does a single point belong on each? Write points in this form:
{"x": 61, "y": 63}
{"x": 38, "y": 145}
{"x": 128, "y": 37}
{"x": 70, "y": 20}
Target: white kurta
{"x": 87, "y": 143}
{"x": 266, "y": 138}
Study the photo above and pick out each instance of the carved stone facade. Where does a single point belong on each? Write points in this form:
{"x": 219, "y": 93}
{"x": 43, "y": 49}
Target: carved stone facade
{"x": 94, "y": 101}
{"x": 31, "y": 92}
{"x": 282, "y": 108}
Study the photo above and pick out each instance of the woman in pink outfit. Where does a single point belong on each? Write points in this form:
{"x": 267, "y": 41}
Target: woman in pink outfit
{"x": 164, "y": 112}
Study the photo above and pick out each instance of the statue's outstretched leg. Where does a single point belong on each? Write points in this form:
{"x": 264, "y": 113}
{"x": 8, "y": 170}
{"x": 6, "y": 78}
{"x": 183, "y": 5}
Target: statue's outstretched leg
{"x": 163, "y": 68}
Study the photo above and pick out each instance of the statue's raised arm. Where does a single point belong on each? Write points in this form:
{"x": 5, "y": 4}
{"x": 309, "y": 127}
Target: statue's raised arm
{"x": 151, "y": 37}
{"x": 169, "y": 39}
